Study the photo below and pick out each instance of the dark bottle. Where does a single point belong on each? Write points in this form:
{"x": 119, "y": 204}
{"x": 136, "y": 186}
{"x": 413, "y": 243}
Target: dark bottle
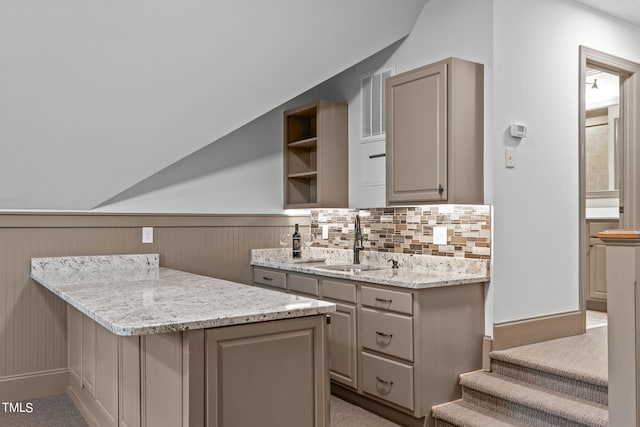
{"x": 297, "y": 252}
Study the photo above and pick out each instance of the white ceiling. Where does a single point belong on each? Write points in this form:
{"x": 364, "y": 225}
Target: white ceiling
{"x": 97, "y": 96}
{"x": 627, "y": 10}
{"x": 607, "y": 92}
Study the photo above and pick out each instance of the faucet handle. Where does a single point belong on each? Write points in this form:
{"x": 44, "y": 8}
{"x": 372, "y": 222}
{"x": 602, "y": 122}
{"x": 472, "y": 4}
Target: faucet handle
{"x": 395, "y": 263}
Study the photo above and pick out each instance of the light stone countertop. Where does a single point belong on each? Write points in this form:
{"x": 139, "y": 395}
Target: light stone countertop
{"x": 132, "y": 295}
{"x": 415, "y": 272}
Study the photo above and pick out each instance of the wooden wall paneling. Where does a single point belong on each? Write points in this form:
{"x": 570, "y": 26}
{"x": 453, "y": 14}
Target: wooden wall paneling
{"x": 4, "y": 305}
{"x": 33, "y": 320}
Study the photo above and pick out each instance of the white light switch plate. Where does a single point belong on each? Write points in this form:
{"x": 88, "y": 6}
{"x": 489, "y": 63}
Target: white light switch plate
{"x": 147, "y": 234}
{"x": 439, "y": 235}
{"x": 509, "y": 157}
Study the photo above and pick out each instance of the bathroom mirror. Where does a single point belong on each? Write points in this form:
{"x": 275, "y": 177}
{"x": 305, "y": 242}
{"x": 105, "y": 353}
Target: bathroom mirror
{"x": 602, "y": 149}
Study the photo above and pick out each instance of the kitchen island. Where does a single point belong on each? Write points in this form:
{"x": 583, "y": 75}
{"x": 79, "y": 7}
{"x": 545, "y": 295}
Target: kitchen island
{"x": 150, "y": 346}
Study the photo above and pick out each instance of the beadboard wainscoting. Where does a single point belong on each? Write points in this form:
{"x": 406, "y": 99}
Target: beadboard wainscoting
{"x": 33, "y": 349}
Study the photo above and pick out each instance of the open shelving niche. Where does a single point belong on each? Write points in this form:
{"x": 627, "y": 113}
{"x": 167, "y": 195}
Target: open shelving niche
{"x": 302, "y": 148}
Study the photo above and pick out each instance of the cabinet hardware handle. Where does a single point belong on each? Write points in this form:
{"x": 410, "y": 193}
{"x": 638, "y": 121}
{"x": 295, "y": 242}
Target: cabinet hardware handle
{"x": 267, "y": 278}
{"x": 440, "y": 189}
{"x": 385, "y": 382}
{"x": 382, "y": 334}
{"x": 375, "y": 156}
{"x": 383, "y": 300}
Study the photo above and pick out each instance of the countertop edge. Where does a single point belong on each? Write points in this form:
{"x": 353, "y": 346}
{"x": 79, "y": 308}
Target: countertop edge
{"x": 124, "y": 330}
{"x": 369, "y": 277}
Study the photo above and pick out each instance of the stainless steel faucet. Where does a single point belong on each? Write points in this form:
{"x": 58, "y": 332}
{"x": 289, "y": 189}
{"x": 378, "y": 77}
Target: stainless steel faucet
{"x": 357, "y": 242}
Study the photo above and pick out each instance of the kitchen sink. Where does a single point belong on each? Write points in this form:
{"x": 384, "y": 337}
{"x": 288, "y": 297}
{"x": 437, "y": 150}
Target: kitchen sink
{"x": 351, "y": 268}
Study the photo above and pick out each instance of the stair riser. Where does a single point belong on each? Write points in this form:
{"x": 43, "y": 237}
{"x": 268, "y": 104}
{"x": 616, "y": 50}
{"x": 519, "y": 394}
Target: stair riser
{"x": 440, "y": 423}
{"x": 517, "y": 411}
{"x": 582, "y": 390}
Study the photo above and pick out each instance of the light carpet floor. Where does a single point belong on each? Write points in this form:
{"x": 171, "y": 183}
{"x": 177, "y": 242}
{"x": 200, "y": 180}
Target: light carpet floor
{"x": 53, "y": 411}
{"x": 582, "y": 357}
{"x": 59, "y": 411}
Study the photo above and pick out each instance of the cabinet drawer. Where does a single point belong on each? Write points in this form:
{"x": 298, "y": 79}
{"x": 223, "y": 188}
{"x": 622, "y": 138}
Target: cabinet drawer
{"x": 340, "y": 291}
{"x": 387, "y": 300}
{"x": 303, "y": 284}
{"x": 388, "y": 380}
{"x": 270, "y": 278}
{"x": 388, "y": 333}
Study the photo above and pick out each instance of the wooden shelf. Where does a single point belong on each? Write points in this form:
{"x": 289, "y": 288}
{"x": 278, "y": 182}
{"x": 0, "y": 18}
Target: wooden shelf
{"x": 304, "y": 143}
{"x": 309, "y": 174}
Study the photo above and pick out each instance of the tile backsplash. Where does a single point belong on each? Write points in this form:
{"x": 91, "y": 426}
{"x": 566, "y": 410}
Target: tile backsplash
{"x": 408, "y": 230}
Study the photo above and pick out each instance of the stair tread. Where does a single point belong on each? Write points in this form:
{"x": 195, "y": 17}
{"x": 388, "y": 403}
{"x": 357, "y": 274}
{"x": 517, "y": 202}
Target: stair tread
{"x": 546, "y": 401}
{"x": 465, "y": 414}
{"x": 565, "y": 357}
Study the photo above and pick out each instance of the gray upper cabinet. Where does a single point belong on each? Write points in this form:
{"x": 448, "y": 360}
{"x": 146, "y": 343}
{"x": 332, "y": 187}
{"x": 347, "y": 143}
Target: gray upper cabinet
{"x": 435, "y": 134}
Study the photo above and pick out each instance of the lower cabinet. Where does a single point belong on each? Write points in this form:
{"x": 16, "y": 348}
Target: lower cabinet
{"x": 399, "y": 347}
{"x": 596, "y": 285}
{"x": 97, "y": 361}
{"x": 343, "y": 344}
{"x": 266, "y": 373}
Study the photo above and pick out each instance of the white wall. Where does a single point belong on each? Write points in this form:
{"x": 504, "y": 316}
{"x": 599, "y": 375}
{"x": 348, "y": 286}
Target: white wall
{"x": 530, "y": 52}
{"x": 97, "y": 96}
{"x": 239, "y": 173}
{"x": 536, "y": 204}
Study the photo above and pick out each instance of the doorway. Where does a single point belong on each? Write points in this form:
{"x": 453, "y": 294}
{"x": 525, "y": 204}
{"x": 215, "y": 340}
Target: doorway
{"x": 609, "y": 163}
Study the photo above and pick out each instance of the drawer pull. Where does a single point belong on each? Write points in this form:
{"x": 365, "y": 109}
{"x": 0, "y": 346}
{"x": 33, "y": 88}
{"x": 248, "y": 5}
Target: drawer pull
{"x": 388, "y": 301}
{"x": 385, "y": 382}
{"x": 267, "y": 278}
{"x": 382, "y": 334}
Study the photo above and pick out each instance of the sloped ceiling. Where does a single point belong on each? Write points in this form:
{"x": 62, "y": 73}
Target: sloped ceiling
{"x": 627, "y": 10}
{"x": 96, "y": 96}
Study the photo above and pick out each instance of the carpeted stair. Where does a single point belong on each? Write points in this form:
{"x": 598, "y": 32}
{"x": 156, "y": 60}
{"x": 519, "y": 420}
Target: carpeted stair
{"x": 556, "y": 383}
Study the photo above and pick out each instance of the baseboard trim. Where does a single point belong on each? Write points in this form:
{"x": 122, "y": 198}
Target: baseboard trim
{"x": 487, "y": 347}
{"x": 531, "y": 331}
{"x": 34, "y": 385}
{"x": 379, "y": 409}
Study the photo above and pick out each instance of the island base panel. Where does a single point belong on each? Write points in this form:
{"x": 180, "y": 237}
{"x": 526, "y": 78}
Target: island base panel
{"x": 271, "y": 373}
{"x": 266, "y": 373}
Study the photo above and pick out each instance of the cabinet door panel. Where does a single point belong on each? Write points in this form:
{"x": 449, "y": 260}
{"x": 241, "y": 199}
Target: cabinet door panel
{"x": 597, "y": 272}
{"x": 266, "y": 374}
{"x": 106, "y": 389}
{"x": 89, "y": 355}
{"x": 417, "y": 135}
{"x": 74, "y": 340}
{"x": 342, "y": 345}
{"x": 129, "y": 377}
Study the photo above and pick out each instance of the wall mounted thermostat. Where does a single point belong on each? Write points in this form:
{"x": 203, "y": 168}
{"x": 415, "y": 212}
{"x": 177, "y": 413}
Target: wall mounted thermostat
{"x": 519, "y": 130}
